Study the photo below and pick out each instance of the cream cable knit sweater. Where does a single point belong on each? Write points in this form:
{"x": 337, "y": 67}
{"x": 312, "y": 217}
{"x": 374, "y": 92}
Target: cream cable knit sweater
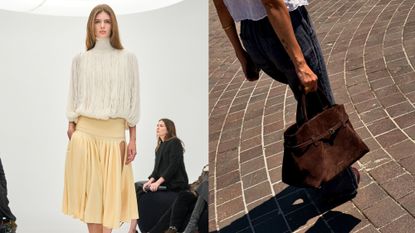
{"x": 104, "y": 84}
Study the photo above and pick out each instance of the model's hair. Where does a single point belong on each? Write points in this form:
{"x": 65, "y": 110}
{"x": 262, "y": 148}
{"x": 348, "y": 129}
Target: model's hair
{"x": 90, "y": 29}
{"x": 171, "y": 132}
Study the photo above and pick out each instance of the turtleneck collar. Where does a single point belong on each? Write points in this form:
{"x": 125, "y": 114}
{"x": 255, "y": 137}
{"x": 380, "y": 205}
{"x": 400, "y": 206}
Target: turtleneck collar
{"x": 103, "y": 44}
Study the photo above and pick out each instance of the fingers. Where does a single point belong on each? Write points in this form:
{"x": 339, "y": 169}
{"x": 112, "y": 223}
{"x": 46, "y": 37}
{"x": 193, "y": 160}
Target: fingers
{"x": 150, "y": 187}
{"x": 130, "y": 158}
{"x": 153, "y": 187}
{"x": 128, "y": 161}
{"x": 314, "y": 84}
{"x": 310, "y": 85}
{"x": 131, "y": 153}
{"x": 308, "y": 79}
{"x": 250, "y": 70}
{"x": 144, "y": 187}
{"x": 69, "y": 133}
{"x": 310, "y": 88}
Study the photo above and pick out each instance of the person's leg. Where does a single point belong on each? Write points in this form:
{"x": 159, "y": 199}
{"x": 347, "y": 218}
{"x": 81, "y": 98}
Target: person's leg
{"x": 263, "y": 46}
{"x": 7, "y": 219}
{"x": 5, "y": 212}
{"x": 106, "y": 230}
{"x": 152, "y": 206}
{"x": 203, "y": 221}
{"x": 133, "y": 226}
{"x": 94, "y": 228}
{"x": 181, "y": 209}
{"x": 195, "y": 215}
{"x": 252, "y": 35}
{"x": 265, "y": 49}
{"x": 345, "y": 183}
{"x": 342, "y": 187}
{"x": 162, "y": 224}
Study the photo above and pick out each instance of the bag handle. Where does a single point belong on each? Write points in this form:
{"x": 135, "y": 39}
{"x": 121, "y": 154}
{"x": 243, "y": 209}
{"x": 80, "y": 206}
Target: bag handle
{"x": 321, "y": 96}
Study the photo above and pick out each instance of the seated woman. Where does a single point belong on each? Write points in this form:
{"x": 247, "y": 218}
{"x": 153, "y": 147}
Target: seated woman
{"x": 169, "y": 172}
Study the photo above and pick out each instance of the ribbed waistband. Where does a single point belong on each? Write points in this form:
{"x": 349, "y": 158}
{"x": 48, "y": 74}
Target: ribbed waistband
{"x": 111, "y": 128}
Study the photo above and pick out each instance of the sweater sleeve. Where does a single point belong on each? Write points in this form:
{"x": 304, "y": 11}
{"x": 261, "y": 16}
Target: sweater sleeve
{"x": 134, "y": 111}
{"x": 72, "y": 94}
{"x": 175, "y": 158}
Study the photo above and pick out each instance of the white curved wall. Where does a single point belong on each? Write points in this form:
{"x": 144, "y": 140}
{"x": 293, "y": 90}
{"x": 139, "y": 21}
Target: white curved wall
{"x": 82, "y": 7}
{"x": 35, "y": 57}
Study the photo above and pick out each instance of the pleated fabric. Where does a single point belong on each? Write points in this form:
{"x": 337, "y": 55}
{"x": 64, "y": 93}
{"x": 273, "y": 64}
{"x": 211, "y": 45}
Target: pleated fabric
{"x": 99, "y": 187}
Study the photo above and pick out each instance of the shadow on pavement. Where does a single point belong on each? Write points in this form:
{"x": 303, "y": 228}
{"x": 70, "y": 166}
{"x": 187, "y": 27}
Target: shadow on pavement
{"x": 299, "y": 206}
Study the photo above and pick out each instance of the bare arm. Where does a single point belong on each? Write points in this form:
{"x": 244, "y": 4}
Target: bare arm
{"x": 280, "y": 20}
{"x": 250, "y": 70}
{"x": 131, "y": 149}
{"x": 229, "y": 26}
{"x": 133, "y": 133}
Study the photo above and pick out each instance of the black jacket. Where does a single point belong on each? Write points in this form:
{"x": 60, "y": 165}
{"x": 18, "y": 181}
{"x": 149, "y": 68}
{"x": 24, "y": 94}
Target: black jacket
{"x": 169, "y": 164}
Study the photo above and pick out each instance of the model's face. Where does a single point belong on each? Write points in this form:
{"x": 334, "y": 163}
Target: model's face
{"x": 103, "y": 25}
{"x": 161, "y": 130}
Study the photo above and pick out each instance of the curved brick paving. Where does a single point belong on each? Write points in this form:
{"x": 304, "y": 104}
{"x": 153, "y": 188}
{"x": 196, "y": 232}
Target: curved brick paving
{"x": 369, "y": 46}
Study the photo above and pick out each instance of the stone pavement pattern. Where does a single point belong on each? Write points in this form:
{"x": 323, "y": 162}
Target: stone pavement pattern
{"x": 369, "y": 47}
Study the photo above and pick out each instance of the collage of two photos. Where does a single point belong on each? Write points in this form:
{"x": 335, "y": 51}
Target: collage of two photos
{"x": 228, "y": 116}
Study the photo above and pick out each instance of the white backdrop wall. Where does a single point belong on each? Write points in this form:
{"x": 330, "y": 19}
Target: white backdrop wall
{"x": 35, "y": 58}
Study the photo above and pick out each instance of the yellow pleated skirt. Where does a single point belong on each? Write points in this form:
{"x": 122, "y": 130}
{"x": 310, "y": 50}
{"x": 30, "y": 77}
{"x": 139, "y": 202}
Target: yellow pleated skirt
{"x": 99, "y": 187}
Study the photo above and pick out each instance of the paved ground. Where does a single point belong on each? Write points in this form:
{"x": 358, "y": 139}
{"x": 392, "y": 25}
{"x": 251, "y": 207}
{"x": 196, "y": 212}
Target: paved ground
{"x": 369, "y": 46}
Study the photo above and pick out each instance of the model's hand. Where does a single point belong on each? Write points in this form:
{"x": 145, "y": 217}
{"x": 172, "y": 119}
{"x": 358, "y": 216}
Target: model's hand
{"x": 147, "y": 184}
{"x": 131, "y": 152}
{"x": 154, "y": 186}
{"x": 71, "y": 130}
{"x": 251, "y": 71}
{"x": 308, "y": 79}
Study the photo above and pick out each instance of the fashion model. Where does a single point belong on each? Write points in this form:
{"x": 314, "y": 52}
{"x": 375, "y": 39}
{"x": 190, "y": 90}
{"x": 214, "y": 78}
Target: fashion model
{"x": 103, "y": 102}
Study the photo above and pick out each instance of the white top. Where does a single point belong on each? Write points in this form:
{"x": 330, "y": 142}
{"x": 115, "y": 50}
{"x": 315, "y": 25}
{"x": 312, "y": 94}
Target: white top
{"x": 104, "y": 84}
{"x": 254, "y": 10}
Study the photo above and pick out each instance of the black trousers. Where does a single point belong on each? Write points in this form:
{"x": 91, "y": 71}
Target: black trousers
{"x": 151, "y": 206}
{"x": 178, "y": 214}
{"x": 5, "y": 212}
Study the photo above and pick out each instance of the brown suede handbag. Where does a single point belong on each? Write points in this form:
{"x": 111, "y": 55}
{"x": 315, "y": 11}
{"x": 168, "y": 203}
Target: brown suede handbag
{"x": 320, "y": 148}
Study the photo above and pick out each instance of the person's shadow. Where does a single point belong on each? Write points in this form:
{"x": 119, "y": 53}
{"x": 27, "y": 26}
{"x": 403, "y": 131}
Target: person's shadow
{"x": 298, "y": 206}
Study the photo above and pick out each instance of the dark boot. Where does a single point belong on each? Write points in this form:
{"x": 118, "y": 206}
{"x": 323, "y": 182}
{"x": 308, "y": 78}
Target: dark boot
{"x": 171, "y": 230}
